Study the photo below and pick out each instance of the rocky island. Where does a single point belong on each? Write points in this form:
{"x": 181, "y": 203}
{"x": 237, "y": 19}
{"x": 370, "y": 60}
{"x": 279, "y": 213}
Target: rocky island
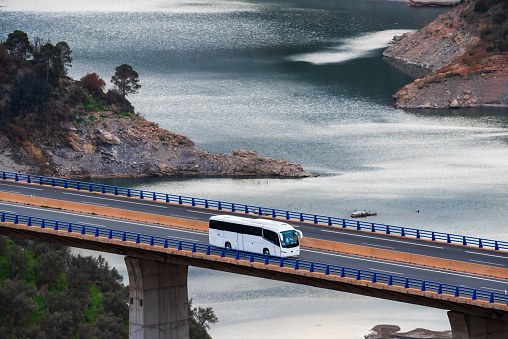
{"x": 53, "y": 125}
{"x": 465, "y": 51}
{"x": 392, "y": 332}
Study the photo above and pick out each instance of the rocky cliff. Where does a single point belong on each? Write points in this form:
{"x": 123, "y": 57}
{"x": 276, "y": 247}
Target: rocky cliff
{"x": 53, "y": 125}
{"x": 109, "y": 143}
{"x": 466, "y": 70}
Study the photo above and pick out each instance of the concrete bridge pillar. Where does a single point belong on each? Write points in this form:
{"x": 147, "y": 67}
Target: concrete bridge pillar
{"x": 158, "y": 300}
{"x": 466, "y": 326}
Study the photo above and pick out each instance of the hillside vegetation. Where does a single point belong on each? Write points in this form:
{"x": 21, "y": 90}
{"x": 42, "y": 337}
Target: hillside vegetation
{"x": 47, "y": 292}
{"x": 35, "y": 92}
{"x": 495, "y": 34}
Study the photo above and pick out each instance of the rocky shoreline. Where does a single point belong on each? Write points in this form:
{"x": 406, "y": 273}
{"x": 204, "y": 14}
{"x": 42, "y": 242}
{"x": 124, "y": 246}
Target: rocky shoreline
{"x": 105, "y": 143}
{"x": 461, "y": 76}
{"x": 392, "y": 332}
{"x": 113, "y": 142}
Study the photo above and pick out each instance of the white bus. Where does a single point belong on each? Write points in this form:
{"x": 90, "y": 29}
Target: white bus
{"x": 254, "y": 235}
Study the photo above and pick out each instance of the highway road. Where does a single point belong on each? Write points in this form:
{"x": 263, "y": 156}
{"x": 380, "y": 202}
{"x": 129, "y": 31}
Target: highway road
{"x": 394, "y": 268}
{"x": 350, "y": 236}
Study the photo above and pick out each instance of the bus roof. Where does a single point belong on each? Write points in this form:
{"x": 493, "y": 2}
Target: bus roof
{"x": 272, "y": 225}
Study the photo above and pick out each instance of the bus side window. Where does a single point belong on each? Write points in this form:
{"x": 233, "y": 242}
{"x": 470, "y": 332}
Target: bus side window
{"x": 271, "y": 236}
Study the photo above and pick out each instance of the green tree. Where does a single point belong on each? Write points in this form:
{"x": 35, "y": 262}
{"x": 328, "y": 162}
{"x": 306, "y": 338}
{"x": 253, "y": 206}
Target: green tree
{"x": 50, "y": 57}
{"x": 30, "y": 95}
{"x": 16, "y": 304}
{"x": 115, "y": 305}
{"x": 104, "y": 327}
{"x": 199, "y": 321}
{"x": 63, "y": 305}
{"x": 18, "y": 262}
{"x": 64, "y": 53}
{"x": 17, "y": 42}
{"x": 57, "y": 325}
{"x": 48, "y": 266}
{"x": 126, "y": 80}
{"x": 205, "y": 316}
{"x": 3, "y": 246}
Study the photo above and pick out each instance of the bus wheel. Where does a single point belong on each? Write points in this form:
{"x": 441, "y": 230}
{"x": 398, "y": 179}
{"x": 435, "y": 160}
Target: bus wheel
{"x": 266, "y": 251}
{"x": 227, "y": 245}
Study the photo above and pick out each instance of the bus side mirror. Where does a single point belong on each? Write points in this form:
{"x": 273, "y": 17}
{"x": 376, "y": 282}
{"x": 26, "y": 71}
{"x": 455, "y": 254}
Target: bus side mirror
{"x": 300, "y": 234}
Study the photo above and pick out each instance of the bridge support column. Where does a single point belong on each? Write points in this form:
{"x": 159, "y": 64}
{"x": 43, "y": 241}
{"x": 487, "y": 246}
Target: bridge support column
{"x": 158, "y": 300}
{"x": 465, "y": 326}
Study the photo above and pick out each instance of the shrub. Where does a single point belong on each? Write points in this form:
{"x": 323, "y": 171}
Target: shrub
{"x": 30, "y": 95}
{"x": 93, "y": 83}
{"x": 499, "y": 17}
{"x": 116, "y": 98}
{"x": 481, "y": 6}
{"x": 485, "y": 32}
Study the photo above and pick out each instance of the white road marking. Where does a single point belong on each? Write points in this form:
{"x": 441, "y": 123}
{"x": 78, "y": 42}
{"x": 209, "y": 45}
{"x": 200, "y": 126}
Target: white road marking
{"x": 19, "y": 186}
{"x": 105, "y": 218}
{"x": 488, "y": 255}
{"x": 389, "y": 272}
{"x": 109, "y": 199}
{"x": 464, "y": 275}
{"x": 94, "y": 204}
{"x": 207, "y": 213}
{"x": 15, "y": 192}
{"x": 303, "y": 250}
{"x": 381, "y": 246}
{"x": 494, "y": 289}
{"x": 486, "y": 262}
{"x": 393, "y": 240}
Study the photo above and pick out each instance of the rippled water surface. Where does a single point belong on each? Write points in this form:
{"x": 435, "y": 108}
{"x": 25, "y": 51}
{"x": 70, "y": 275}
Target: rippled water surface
{"x": 303, "y": 81}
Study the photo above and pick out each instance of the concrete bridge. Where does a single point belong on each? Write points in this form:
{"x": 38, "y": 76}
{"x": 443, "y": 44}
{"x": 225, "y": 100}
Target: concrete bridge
{"x": 158, "y": 273}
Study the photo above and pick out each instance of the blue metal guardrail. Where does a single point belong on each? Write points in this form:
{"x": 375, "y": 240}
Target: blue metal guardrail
{"x": 249, "y": 209}
{"x": 296, "y": 264}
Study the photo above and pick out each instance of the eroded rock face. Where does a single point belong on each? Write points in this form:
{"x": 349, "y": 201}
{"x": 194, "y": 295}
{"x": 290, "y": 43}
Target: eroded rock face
{"x": 458, "y": 86}
{"x": 461, "y": 76}
{"x": 438, "y": 43}
{"x": 113, "y": 146}
{"x": 108, "y": 137}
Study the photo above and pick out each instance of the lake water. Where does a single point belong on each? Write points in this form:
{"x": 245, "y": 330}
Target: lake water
{"x": 303, "y": 81}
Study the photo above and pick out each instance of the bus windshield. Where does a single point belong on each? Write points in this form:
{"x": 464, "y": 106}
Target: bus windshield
{"x": 289, "y": 239}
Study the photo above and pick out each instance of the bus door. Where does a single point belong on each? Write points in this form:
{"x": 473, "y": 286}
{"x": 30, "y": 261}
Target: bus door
{"x": 271, "y": 242}
{"x": 251, "y": 243}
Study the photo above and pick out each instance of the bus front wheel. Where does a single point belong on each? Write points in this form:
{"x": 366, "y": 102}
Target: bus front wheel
{"x": 266, "y": 251}
{"x": 227, "y": 245}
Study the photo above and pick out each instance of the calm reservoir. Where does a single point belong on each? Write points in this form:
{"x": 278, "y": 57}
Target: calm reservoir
{"x": 304, "y": 81}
